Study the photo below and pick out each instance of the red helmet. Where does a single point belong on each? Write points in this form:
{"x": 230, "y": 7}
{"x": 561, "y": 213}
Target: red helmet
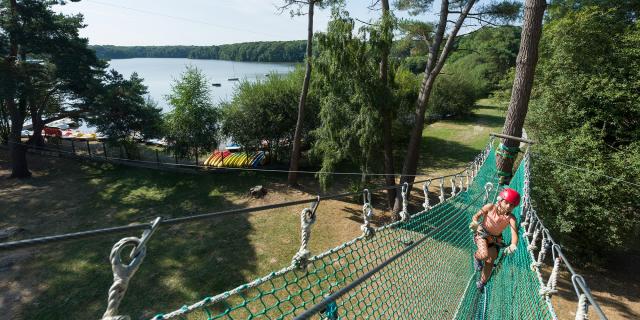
{"x": 511, "y": 196}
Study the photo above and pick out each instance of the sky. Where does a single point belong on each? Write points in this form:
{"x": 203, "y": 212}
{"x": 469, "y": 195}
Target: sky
{"x": 198, "y": 22}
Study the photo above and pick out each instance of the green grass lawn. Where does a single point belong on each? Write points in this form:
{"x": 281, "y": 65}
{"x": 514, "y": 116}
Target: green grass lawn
{"x": 449, "y": 144}
{"x": 186, "y": 262}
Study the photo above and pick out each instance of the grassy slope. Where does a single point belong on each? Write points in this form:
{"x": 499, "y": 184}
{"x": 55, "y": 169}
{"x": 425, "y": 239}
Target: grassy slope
{"x": 184, "y": 263}
{"x": 449, "y": 144}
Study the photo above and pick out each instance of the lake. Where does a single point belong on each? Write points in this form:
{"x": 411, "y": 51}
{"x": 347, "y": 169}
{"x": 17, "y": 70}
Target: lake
{"x": 160, "y": 73}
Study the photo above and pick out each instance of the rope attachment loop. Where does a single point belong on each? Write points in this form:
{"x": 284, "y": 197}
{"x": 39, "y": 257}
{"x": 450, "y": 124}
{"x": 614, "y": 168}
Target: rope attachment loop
{"x": 122, "y": 273}
{"x": 453, "y": 186}
{"x": 425, "y": 190}
{"x": 404, "y": 214}
{"x": 487, "y": 189}
{"x": 582, "y": 313}
{"x": 367, "y": 214}
{"x": 307, "y": 218}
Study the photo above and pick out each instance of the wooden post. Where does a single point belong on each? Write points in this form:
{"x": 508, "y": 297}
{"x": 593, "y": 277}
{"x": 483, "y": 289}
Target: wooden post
{"x": 196, "y": 157}
{"x": 104, "y": 150}
{"x": 121, "y": 152}
{"x": 157, "y": 158}
{"x": 88, "y": 148}
{"x": 73, "y": 147}
{"x": 175, "y": 155}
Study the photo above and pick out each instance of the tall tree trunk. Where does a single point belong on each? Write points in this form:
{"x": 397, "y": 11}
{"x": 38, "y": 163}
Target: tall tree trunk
{"x": 295, "y": 151}
{"x": 16, "y": 111}
{"x": 433, "y": 68}
{"x": 387, "y": 114}
{"x": 522, "y": 84}
{"x": 38, "y": 125}
{"x": 5, "y": 128}
{"x": 18, "y": 151}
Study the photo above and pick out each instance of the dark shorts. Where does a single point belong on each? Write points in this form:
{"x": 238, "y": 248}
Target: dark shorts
{"x": 492, "y": 241}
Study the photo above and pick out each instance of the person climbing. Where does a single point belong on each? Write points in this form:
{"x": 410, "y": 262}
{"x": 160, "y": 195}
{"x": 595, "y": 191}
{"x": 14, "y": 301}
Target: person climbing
{"x": 488, "y": 234}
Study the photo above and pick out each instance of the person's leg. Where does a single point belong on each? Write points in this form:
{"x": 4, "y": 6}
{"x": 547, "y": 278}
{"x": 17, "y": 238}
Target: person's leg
{"x": 488, "y": 266}
{"x": 482, "y": 253}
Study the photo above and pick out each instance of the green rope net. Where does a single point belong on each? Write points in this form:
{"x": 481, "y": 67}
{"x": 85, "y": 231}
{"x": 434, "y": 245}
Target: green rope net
{"x": 434, "y": 280}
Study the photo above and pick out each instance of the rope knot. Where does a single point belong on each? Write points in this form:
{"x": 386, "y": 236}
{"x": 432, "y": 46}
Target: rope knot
{"x": 404, "y": 214}
{"x": 307, "y": 218}
{"x": 425, "y": 189}
{"x": 367, "y": 214}
{"x": 441, "y": 197}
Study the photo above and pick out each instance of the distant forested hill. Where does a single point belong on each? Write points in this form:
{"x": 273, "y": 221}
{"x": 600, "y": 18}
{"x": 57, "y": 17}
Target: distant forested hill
{"x": 267, "y": 51}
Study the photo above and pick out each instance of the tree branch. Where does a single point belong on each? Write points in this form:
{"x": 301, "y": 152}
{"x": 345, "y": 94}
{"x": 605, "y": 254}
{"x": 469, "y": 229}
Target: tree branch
{"x": 374, "y": 5}
{"x": 435, "y": 46}
{"x": 364, "y": 22}
{"x": 450, "y": 40}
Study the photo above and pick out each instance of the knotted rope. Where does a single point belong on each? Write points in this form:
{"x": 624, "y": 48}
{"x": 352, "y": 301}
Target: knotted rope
{"x": 532, "y": 246}
{"x": 404, "y": 214}
{"x": 543, "y": 250}
{"x": 487, "y": 189}
{"x": 467, "y": 174}
{"x": 367, "y": 213}
{"x": 425, "y": 190}
{"x": 307, "y": 218}
{"x": 583, "y": 308}
{"x": 453, "y": 185}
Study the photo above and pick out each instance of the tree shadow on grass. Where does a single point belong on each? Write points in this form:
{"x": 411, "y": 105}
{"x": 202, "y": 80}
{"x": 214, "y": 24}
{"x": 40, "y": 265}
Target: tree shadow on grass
{"x": 436, "y": 153}
{"x": 184, "y": 263}
{"x": 479, "y": 119}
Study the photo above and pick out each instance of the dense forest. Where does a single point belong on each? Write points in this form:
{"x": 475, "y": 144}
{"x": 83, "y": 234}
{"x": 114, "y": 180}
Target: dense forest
{"x": 264, "y": 51}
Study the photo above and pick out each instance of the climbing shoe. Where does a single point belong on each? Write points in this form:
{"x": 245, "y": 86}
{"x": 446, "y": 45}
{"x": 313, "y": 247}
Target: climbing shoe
{"x": 477, "y": 264}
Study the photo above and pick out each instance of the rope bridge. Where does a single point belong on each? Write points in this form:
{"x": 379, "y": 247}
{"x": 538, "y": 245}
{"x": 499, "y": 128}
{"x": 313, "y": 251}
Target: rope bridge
{"x": 417, "y": 268}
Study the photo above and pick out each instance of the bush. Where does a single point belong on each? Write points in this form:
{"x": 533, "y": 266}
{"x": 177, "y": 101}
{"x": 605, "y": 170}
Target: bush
{"x": 193, "y": 125}
{"x": 267, "y": 111}
{"x": 587, "y": 114}
{"x": 458, "y": 87}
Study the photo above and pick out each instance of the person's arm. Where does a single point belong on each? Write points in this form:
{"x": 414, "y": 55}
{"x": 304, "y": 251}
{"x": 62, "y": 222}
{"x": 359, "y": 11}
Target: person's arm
{"x": 514, "y": 235}
{"x": 481, "y": 213}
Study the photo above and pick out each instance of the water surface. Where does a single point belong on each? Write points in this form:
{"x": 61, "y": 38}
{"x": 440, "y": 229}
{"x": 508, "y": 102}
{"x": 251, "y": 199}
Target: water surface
{"x": 160, "y": 73}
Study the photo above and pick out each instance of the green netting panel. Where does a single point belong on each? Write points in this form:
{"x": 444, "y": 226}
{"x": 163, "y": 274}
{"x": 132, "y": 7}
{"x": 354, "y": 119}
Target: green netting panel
{"x": 513, "y": 290}
{"x": 435, "y": 280}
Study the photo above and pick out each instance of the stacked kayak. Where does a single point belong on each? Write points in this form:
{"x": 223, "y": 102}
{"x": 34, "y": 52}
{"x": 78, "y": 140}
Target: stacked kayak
{"x": 72, "y": 134}
{"x": 235, "y": 160}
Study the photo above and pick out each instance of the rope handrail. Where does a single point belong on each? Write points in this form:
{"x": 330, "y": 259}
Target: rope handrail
{"x": 533, "y": 218}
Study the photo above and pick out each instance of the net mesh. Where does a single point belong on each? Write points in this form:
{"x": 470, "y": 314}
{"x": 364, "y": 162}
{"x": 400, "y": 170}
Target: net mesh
{"x": 434, "y": 280}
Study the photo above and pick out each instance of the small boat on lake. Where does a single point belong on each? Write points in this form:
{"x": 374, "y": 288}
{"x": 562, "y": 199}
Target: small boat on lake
{"x": 216, "y": 84}
{"x": 233, "y": 79}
